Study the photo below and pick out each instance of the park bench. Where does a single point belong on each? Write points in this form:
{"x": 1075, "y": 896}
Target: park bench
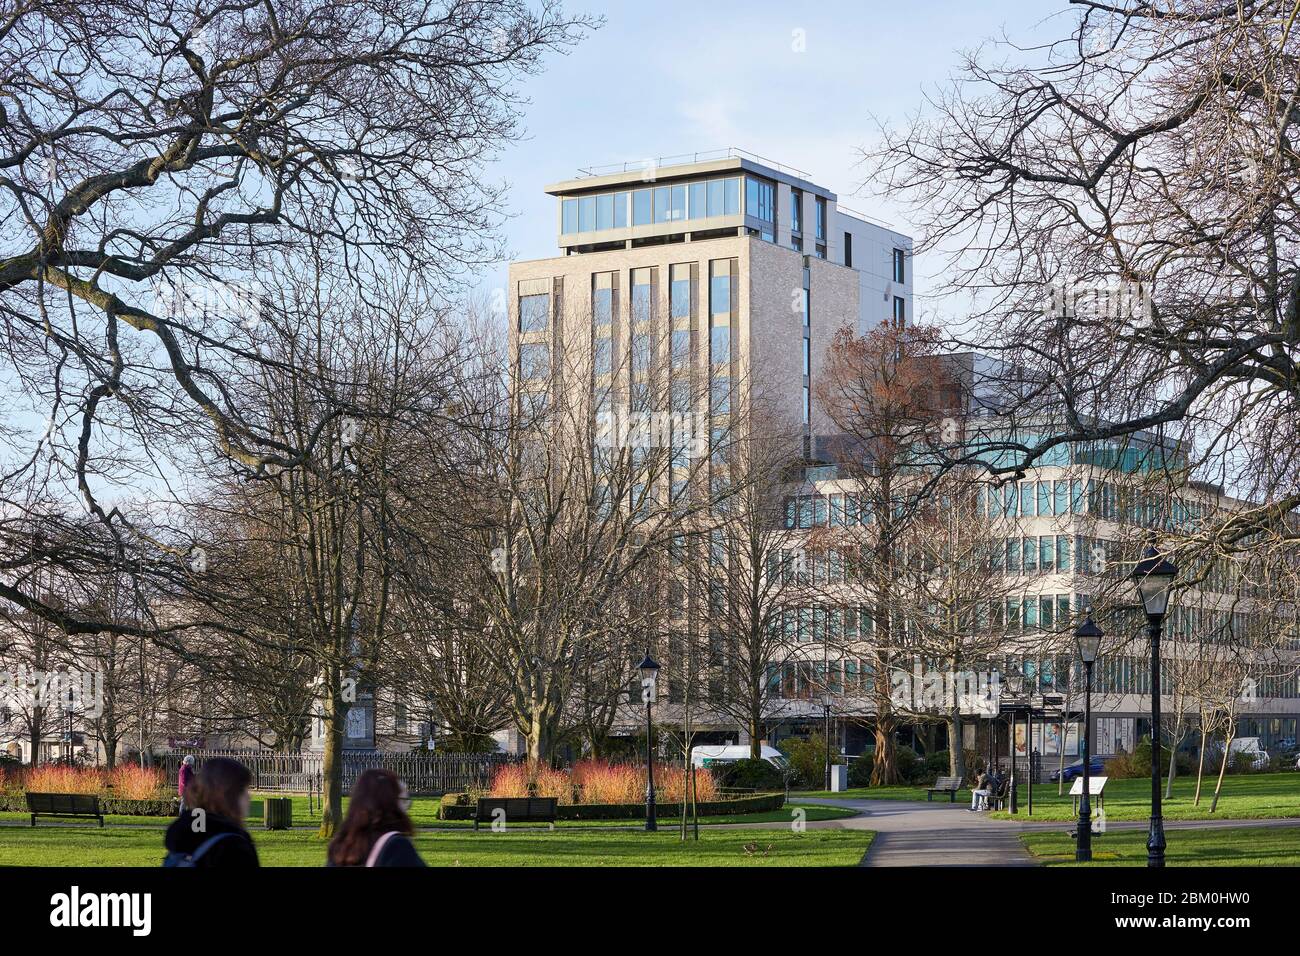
{"x": 81, "y": 805}
{"x": 998, "y": 798}
{"x": 516, "y": 810}
{"x": 948, "y": 785}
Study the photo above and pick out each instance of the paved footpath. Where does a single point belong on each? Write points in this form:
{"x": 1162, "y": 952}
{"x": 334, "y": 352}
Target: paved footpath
{"x": 944, "y": 834}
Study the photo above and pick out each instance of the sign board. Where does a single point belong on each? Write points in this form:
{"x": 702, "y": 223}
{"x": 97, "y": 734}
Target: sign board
{"x": 1095, "y": 786}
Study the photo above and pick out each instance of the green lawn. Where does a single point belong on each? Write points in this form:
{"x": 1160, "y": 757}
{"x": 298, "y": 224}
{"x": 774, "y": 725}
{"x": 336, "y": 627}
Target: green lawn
{"x": 423, "y": 810}
{"x": 1245, "y": 797}
{"x": 139, "y": 846}
{"x": 1235, "y": 846}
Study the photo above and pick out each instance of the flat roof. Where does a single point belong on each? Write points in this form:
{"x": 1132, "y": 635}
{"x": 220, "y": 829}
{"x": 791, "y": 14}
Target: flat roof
{"x": 652, "y": 171}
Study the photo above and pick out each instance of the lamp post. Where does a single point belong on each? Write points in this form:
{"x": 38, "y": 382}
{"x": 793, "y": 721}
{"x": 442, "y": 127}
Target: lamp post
{"x": 649, "y": 677}
{"x": 826, "y": 712}
{"x": 1015, "y": 682}
{"x": 1153, "y": 576}
{"x": 1088, "y": 637}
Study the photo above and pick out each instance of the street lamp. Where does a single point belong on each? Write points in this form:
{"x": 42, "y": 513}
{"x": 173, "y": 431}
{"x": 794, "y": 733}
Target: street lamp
{"x": 649, "y": 677}
{"x": 1088, "y": 637}
{"x": 826, "y": 711}
{"x": 1015, "y": 683}
{"x": 1153, "y": 576}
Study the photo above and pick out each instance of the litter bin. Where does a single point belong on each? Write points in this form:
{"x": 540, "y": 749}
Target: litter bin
{"x": 279, "y": 813}
{"x": 839, "y": 778}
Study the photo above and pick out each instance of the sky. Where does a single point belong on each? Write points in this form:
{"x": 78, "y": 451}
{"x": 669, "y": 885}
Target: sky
{"x": 801, "y": 84}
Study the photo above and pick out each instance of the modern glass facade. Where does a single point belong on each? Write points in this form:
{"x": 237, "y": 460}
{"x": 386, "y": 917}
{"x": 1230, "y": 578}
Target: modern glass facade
{"x": 680, "y": 202}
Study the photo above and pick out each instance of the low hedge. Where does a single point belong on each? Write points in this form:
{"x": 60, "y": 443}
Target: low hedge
{"x": 159, "y": 807}
{"x": 458, "y": 806}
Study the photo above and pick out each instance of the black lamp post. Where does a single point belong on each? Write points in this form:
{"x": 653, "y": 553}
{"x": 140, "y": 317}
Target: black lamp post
{"x": 1016, "y": 683}
{"x": 1088, "y": 636}
{"x": 826, "y": 713}
{"x": 649, "y": 677}
{"x": 1153, "y": 576}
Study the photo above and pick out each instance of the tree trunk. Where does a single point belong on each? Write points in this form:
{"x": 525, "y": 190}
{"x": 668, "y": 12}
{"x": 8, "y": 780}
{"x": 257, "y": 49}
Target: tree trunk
{"x": 1173, "y": 759}
{"x": 1223, "y": 767}
{"x": 539, "y": 734}
{"x": 884, "y": 763}
{"x": 1200, "y": 766}
{"x": 755, "y": 734}
{"x": 956, "y": 753}
{"x": 332, "y": 765}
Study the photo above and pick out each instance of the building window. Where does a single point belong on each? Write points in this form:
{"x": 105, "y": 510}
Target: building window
{"x": 641, "y": 352}
{"x": 900, "y": 268}
{"x": 603, "y": 355}
{"x": 848, "y": 249}
{"x": 586, "y": 213}
{"x": 569, "y": 216}
{"x": 720, "y": 344}
{"x": 821, "y": 219}
{"x": 796, "y": 210}
{"x": 900, "y": 310}
{"x": 534, "y": 312}
{"x": 602, "y": 298}
{"x": 679, "y": 291}
{"x": 640, "y": 295}
{"x": 720, "y": 395}
{"x": 807, "y": 406}
{"x": 760, "y": 199}
{"x": 681, "y": 348}
{"x": 807, "y": 356}
{"x": 643, "y": 207}
{"x": 534, "y": 360}
{"x": 720, "y": 287}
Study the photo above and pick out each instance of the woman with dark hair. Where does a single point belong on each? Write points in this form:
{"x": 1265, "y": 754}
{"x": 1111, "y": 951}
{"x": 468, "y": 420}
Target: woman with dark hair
{"x": 210, "y": 832}
{"x": 377, "y": 829}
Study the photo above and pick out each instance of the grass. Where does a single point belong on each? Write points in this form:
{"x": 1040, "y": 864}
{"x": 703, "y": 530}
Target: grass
{"x": 1228, "y": 846}
{"x": 424, "y": 809}
{"x": 139, "y": 846}
{"x": 1245, "y": 797}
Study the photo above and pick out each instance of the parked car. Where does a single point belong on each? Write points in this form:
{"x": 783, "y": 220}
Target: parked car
{"x": 1095, "y": 766}
{"x": 709, "y": 755}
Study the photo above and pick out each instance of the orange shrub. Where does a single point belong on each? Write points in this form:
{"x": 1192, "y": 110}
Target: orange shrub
{"x": 670, "y": 781}
{"x": 520, "y": 780}
{"x": 599, "y": 781}
{"x": 58, "y": 778}
{"x": 133, "y": 782}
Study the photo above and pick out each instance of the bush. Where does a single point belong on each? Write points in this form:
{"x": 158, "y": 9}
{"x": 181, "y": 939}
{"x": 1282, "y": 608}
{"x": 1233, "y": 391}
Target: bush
{"x": 458, "y": 806}
{"x": 750, "y": 774}
{"x": 807, "y": 761}
{"x": 937, "y": 764}
{"x": 860, "y": 769}
{"x": 910, "y": 767}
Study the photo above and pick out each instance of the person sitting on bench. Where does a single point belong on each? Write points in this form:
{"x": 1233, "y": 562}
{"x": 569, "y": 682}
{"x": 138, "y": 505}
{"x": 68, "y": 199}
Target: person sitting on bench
{"x": 979, "y": 796}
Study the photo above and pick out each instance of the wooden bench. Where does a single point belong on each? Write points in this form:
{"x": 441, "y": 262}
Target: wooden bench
{"x": 516, "y": 810}
{"x": 998, "y": 798}
{"x": 948, "y": 785}
{"x": 80, "y": 805}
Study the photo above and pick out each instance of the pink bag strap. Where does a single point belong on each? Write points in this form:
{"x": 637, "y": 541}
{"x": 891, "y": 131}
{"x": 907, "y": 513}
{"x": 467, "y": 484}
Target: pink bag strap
{"x": 379, "y": 847}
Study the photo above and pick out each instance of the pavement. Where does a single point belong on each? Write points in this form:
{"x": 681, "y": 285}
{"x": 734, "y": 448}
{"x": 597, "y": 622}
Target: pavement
{"x": 910, "y": 833}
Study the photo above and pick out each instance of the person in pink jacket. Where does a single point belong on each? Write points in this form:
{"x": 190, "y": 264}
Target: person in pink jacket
{"x": 184, "y": 777}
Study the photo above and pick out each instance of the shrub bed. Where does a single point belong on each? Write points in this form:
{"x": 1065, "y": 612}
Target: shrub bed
{"x": 460, "y": 806}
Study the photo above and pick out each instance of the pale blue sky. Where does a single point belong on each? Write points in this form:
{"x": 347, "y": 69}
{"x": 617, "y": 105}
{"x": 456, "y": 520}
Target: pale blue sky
{"x": 676, "y": 77}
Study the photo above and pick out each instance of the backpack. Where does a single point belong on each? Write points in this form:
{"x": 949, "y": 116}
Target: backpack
{"x": 177, "y": 858}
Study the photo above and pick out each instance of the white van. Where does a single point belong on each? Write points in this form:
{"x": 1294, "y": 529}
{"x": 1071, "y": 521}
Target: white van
{"x": 710, "y": 755}
{"x": 1253, "y": 749}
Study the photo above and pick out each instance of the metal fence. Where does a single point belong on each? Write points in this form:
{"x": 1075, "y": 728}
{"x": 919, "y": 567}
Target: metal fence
{"x": 424, "y": 773}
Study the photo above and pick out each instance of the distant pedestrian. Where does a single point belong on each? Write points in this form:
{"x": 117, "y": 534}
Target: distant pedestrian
{"x": 377, "y": 828}
{"x": 183, "y": 779}
{"x": 211, "y": 832}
